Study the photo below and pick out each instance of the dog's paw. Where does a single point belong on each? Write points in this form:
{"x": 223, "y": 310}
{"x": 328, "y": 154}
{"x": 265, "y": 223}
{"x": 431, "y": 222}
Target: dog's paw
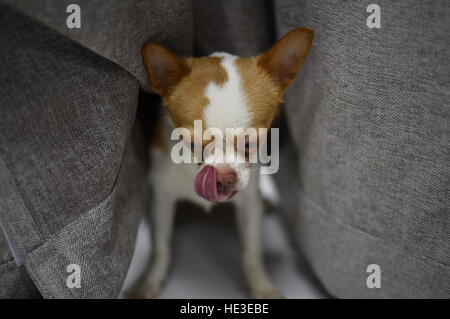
{"x": 148, "y": 291}
{"x": 266, "y": 293}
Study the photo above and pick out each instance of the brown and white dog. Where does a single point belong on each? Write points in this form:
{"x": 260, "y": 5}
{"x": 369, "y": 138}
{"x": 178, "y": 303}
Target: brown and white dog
{"x": 223, "y": 91}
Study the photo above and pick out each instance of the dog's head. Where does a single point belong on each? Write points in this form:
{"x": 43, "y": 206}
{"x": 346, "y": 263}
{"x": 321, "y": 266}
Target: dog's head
{"x": 226, "y": 92}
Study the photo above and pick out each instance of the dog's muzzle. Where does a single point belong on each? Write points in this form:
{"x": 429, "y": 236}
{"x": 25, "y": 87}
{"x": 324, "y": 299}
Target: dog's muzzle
{"x": 216, "y": 185}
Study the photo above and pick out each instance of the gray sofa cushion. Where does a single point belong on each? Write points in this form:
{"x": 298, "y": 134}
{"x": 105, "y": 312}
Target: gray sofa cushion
{"x": 370, "y": 124}
{"x": 117, "y": 30}
{"x": 72, "y": 180}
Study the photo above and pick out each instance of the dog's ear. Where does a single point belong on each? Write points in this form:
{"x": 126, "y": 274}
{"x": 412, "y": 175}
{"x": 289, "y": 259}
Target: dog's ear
{"x": 164, "y": 68}
{"x": 285, "y": 58}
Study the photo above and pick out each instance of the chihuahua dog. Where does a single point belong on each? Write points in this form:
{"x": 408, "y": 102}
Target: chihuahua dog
{"x": 223, "y": 91}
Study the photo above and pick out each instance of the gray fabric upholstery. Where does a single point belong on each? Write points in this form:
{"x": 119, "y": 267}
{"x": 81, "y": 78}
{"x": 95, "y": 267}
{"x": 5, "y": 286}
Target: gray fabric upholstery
{"x": 117, "y": 30}
{"x": 370, "y": 123}
{"x": 72, "y": 182}
{"x": 364, "y": 173}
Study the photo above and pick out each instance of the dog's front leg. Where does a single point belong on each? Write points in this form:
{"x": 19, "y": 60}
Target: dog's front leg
{"x": 249, "y": 213}
{"x": 162, "y": 227}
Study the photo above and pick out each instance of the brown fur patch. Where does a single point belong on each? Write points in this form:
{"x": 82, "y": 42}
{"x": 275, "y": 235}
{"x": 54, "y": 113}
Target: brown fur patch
{"x": 187, "y": 101}
{"x": 263, "y": 95}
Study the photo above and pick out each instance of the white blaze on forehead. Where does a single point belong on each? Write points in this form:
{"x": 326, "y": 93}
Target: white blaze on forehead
{"x": 227, "y": 106}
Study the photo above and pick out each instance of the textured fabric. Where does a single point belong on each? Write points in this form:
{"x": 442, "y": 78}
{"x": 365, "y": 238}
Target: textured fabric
{"x": 369, "y": 119}
{"x": 370, "y": 123}
{"x": 244, "y": 28}
{"x": 16, "y": 283}
{"x": 364, "y": 169}
{"x": 72, "y": 184}
{"x": 116, "y": 29}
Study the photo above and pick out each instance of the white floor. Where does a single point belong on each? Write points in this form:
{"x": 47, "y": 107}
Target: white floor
{"x": 206, "y": 259}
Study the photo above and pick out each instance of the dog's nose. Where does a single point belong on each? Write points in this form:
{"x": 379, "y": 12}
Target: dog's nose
{"x": 226, "y": 179}
{"x": 216, "y": 184}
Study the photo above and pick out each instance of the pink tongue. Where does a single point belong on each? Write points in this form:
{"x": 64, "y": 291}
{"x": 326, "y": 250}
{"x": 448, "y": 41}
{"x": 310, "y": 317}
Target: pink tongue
{"x": 206, "y": 184}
